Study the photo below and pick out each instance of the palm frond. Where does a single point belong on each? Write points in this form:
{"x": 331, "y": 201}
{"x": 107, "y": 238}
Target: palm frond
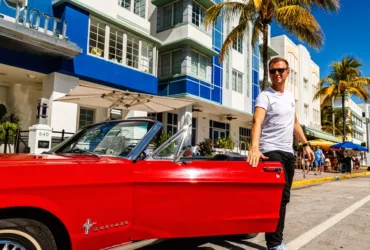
{"x": 256, "y": 31}
{"x": 300, "y": 22}
{"x": 226, "y": 11}
{"x": 359, "y": 92}
{"x": 237, "y": 33}
{"x": 326, "y": 5}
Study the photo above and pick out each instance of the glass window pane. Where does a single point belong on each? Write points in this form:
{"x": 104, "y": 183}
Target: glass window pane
{"x": 178, "y": 12}
{"x": 195, "y": 14}
{"x": 125, "y": 4}
{"x": 194, "y": 62}
{"x": 139, "y": 7}
{"x": 203, "y": 67}
{"x": 167, "y": 16}
{"x": 97, "y": 37}
{"x": 176, "y": 62}
{"x": 132, "y": 51}
{"x": 165, "y": 64}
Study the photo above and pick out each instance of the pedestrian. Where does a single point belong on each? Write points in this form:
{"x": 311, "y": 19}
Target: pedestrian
{"x": 274, "y": 122}
{"x": 319, "y": 160}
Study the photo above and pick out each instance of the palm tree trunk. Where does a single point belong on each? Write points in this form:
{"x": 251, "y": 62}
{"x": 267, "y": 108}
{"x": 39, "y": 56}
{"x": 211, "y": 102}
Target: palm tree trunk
{"x": 344, "y": 119}
{"x": 264, "y": 55}
{"x": 333, "y": 115}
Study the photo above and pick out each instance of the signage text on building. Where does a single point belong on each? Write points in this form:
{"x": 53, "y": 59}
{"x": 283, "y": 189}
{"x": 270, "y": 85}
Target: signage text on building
{"x": 32, "y": 18}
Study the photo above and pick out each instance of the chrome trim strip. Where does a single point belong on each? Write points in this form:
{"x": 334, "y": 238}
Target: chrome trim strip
{"x": 135, "y": 245}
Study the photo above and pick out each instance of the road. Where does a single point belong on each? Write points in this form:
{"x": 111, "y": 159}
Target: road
{"x": 333, "y": 215}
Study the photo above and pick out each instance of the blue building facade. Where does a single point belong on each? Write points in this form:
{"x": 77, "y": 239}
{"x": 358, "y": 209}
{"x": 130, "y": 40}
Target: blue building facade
{"x": 84, "y": 65}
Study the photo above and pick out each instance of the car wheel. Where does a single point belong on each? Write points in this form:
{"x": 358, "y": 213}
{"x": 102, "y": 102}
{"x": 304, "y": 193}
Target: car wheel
{"x": 251, "y": 236}
{"x": 241, "y": 236}
{"x": 25, "y": 234}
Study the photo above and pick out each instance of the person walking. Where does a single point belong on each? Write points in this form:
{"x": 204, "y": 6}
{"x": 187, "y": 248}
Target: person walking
{"x": 319, "y": 160}
{"x": 274, "y": 122}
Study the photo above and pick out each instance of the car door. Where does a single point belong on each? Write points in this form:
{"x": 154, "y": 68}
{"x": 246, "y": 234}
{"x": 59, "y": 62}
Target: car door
{"x": 204, "y": 198}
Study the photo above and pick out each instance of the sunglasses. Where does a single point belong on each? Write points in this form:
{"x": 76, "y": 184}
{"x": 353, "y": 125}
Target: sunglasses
{"x": 273, "y": 71}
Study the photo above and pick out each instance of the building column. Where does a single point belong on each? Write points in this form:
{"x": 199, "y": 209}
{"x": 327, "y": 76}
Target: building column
{"x": 185, "y": 118}
{"x": 61, "y": 115}
{"x": 124, "y": 49}
{"x": 155, "y": 62}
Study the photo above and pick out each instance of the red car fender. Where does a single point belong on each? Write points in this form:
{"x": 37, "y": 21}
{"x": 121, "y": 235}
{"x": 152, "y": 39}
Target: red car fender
{"x": 21, "y": 200}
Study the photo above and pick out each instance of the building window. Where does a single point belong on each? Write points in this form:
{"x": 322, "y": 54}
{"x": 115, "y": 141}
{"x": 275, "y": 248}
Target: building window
{"x": 218, "y": 130}
{"x": 132, "y": 51}
{"x": 139, "y": 8}
{"x": 156, "y": 116}
{"x": 125, "y": 4}
{"x": 86, "y": 117}
{"x": 238, "y": 45}
{"x": 171, "y": 123}
{"x": 357, "y": 135}
{"x": 237, "y": 81}
{"x": 194, "y": 132}
{"x": 198, "y": 15}
{"x": 199, "y": 64}
{"x": 147, "y": 57}
{"x": 244, "y": 134}
{"x": 172, "y": 14}
{"x": 171, "y": 63}
{"x": 166, "y": 64}
{"x": 167, "y": 16}
{"x": 115, "y": 45}
{"x": 97, "y": 37}
{"x": 194, "y": 62}
{"x": 176, "y": 62}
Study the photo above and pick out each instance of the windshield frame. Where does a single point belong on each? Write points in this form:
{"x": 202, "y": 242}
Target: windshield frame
{"x": 155, "y": 127}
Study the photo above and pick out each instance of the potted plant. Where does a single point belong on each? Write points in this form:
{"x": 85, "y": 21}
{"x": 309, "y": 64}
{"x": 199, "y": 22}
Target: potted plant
{"x": 9, "y": 124}
{"x": 205, "y": 148}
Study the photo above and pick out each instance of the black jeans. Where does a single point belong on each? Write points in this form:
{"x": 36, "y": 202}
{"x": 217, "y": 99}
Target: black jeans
{"x": 287, "y": 160}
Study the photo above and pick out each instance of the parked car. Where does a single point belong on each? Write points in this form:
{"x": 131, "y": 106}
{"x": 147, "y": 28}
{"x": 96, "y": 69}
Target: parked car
{"x": 100, "y": 190}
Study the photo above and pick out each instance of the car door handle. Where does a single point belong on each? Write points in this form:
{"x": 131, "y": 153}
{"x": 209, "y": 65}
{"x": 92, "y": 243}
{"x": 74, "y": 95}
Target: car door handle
{"x": 272, "y": 169}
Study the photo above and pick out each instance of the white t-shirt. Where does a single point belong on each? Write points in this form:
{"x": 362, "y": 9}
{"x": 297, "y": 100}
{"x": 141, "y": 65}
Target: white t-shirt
{"x": 278, "y": 126}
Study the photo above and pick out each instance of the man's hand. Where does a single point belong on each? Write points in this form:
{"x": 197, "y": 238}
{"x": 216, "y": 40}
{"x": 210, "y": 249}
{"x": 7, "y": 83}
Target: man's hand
{"x": 254, "y": 156}
{"x": 310, "y": 154}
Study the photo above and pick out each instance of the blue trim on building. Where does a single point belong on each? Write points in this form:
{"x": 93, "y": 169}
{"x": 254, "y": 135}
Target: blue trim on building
{"x": 190, "y": 85}
{"x": 84, "y": 66}
{"x": 255, "y": 75}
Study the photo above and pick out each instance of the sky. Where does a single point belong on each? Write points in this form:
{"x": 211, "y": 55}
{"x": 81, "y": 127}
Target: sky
{"x": 346, "y": 33}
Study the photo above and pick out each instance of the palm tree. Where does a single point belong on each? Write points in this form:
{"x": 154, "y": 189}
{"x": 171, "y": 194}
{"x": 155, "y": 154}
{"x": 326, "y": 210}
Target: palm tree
{"x": 292, "y": 15}
{"x": 335, "y": 127}
{"x": 344, "y": 79}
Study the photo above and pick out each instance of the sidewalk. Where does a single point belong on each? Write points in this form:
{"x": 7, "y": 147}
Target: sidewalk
{"x": 311, "y": 178}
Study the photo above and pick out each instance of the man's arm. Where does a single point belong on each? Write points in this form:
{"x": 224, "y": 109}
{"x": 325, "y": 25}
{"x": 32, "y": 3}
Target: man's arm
{"x": 254, "y": 153}
{"x": 298, "y": 131}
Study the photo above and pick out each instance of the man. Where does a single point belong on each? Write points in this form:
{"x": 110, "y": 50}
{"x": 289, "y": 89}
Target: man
{"x": 274, "y": 122}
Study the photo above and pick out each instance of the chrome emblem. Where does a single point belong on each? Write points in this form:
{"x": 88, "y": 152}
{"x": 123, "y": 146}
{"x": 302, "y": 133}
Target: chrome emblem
{"x": 87, "y": 226}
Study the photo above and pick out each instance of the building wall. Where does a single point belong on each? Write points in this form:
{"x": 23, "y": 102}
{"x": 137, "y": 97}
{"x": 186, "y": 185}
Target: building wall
{"x": 22, "y": 100}
{"x": 354, "y": 112}
{"x": 302, "y": 81}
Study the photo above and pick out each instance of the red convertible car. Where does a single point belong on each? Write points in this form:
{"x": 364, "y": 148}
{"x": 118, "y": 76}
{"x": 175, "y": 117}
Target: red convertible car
{"x": 103, "y": 189}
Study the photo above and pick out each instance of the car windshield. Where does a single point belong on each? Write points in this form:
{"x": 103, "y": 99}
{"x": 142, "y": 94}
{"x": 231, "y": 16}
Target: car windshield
{"x": 113, "y": 139}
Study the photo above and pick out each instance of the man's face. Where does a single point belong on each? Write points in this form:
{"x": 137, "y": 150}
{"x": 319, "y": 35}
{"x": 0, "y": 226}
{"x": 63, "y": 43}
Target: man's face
{"x": 278, "y": 72}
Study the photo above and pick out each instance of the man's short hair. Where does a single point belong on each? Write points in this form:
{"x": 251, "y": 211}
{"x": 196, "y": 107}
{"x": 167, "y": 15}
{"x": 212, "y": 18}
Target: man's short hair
{"x": 278, "y": 59}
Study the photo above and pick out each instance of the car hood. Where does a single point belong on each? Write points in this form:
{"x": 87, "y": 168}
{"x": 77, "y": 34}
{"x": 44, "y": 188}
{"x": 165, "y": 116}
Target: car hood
{"x": 47, "y": 159}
